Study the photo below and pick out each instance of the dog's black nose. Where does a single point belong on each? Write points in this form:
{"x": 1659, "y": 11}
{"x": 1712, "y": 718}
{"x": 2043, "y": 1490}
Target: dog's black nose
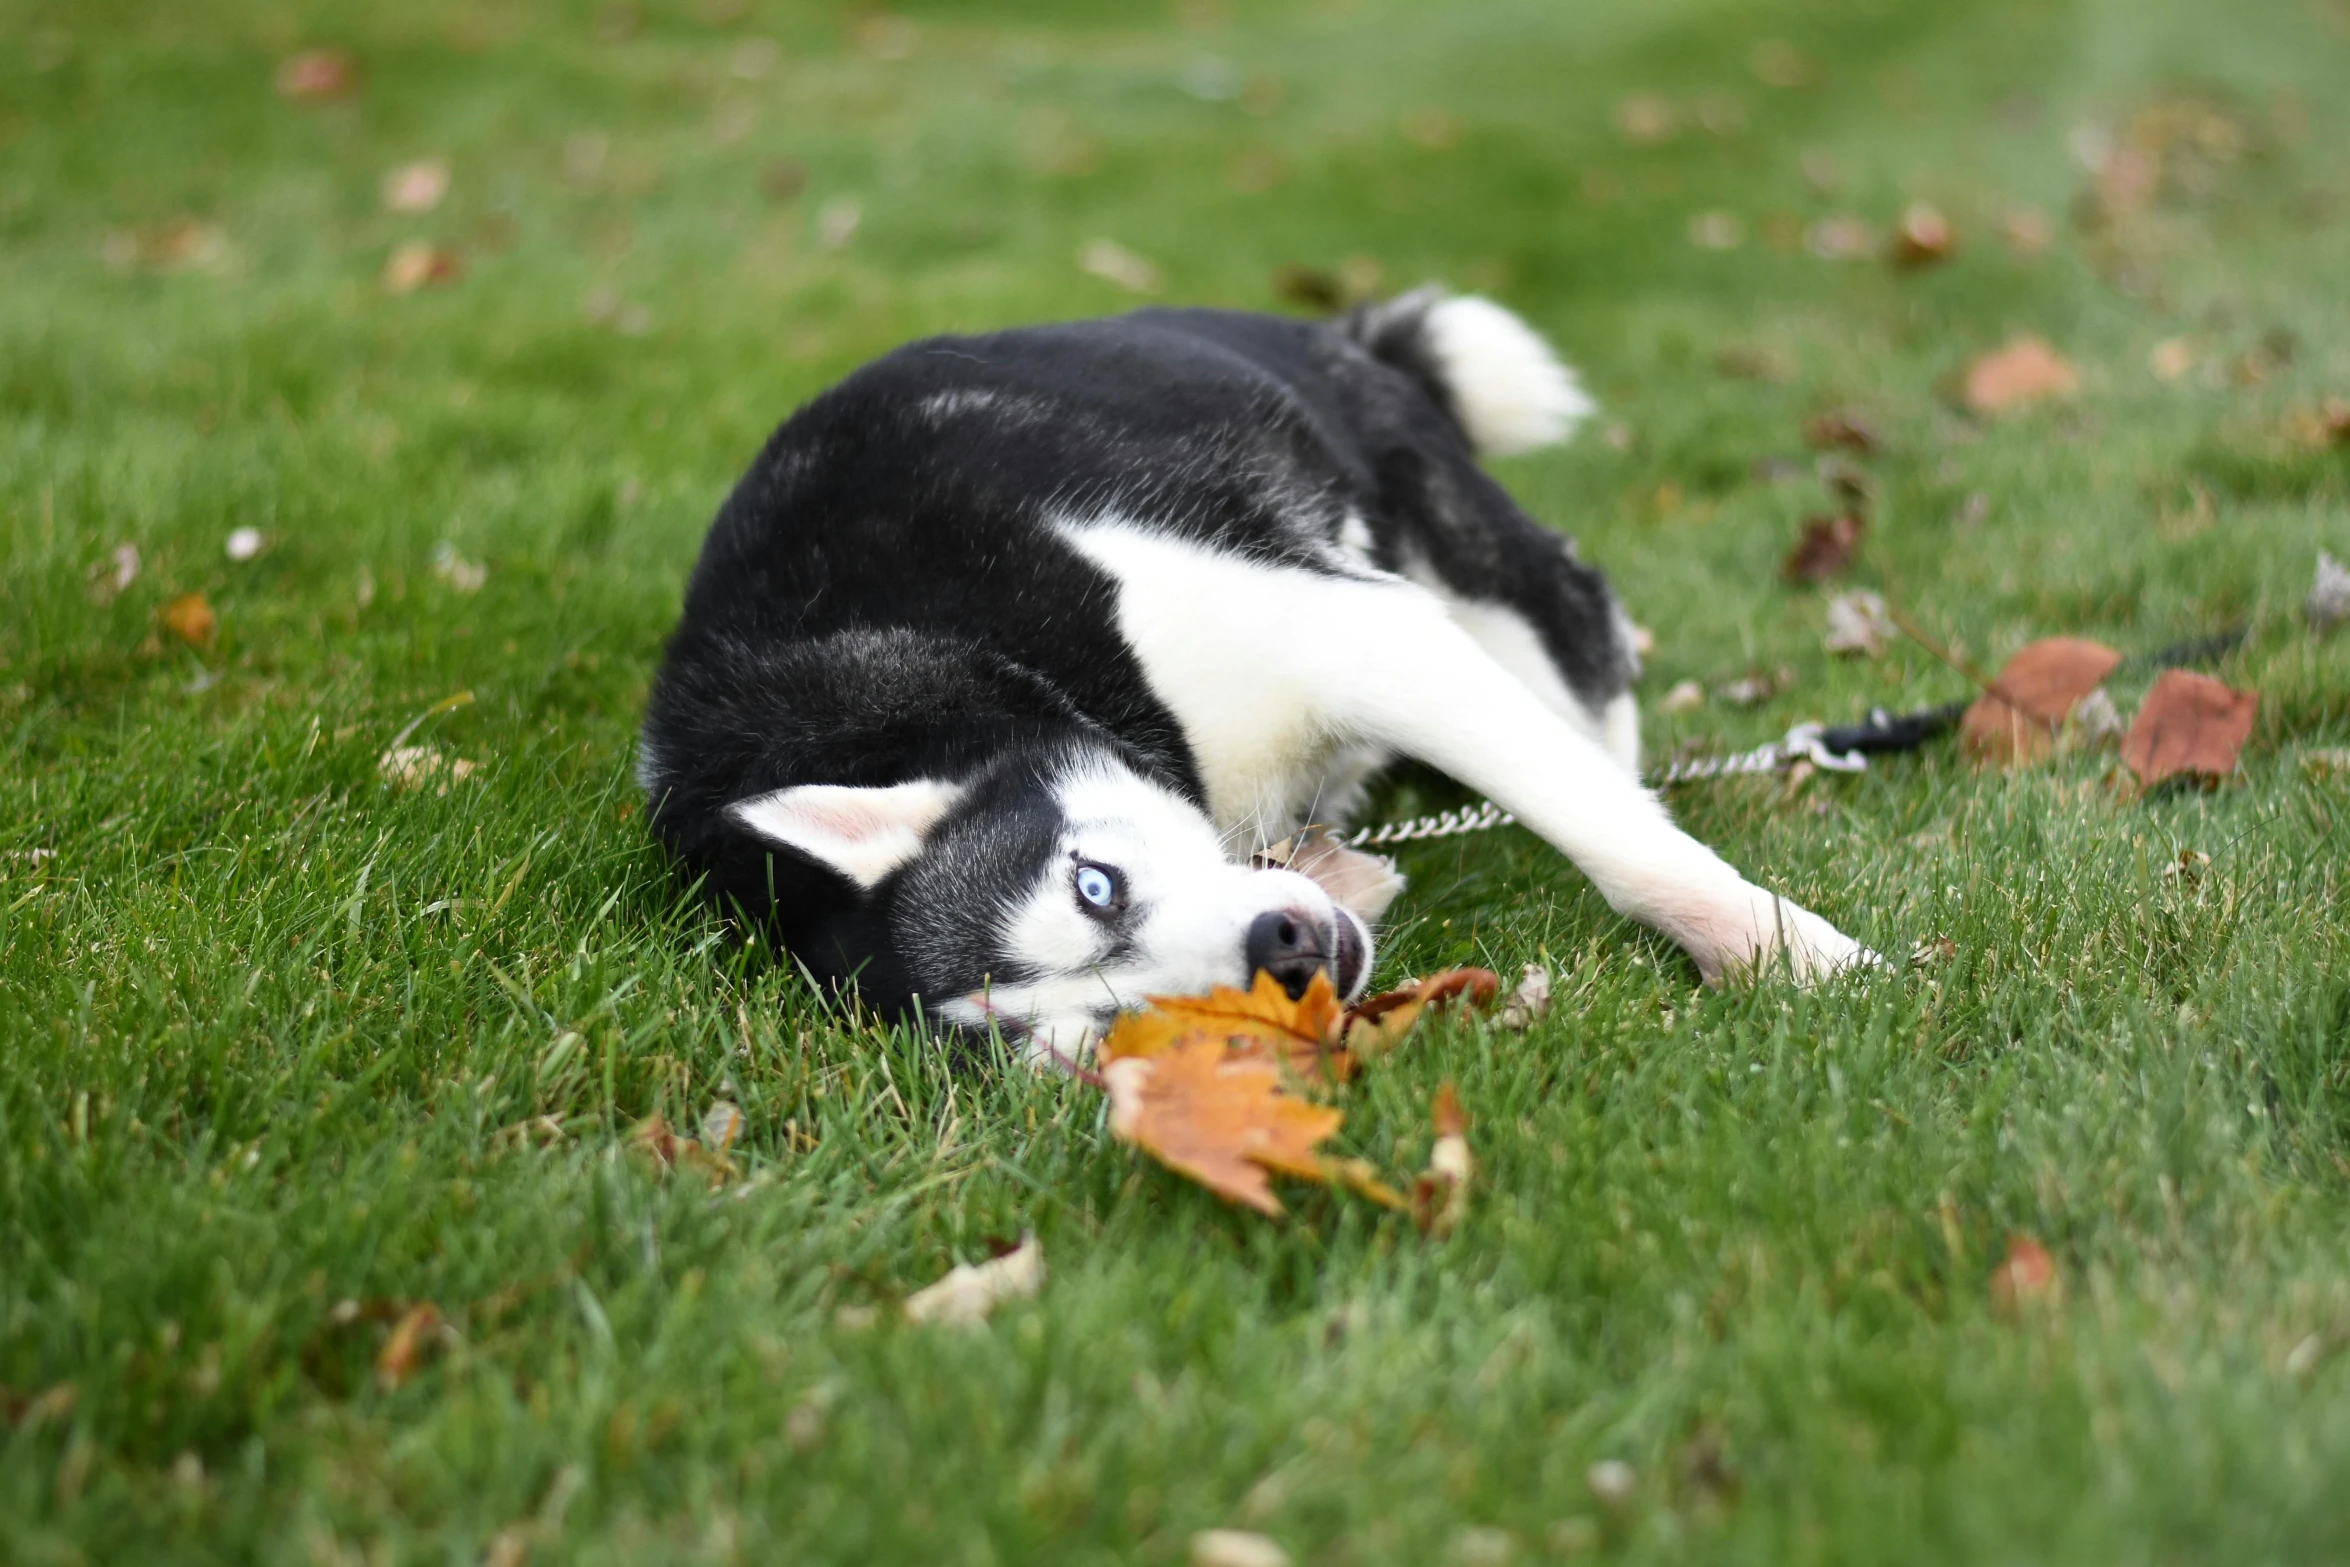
{"x": 1287, "y": 945}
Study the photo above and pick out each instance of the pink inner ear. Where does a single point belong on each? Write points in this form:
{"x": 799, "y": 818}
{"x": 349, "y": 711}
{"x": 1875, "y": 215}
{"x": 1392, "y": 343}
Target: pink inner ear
{"x": 1363, "y": 884}
{"x": 863, "y": 833}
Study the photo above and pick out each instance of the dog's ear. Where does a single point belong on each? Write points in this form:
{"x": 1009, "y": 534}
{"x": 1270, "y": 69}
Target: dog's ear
{"x": 1362, "y": 884}
{"x": 862, "y": 833}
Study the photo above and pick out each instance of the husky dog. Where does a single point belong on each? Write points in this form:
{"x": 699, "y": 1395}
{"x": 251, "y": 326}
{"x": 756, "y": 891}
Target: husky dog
{"x": 1010, "y": 649}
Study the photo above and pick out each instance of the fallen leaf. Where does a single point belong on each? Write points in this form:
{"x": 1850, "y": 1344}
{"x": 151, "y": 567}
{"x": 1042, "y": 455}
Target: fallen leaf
{"x": 413, "y": 766}
{"x": 419, "y": 264}
{"x": 1308, "y": 287}
{"x": 2024, "y": 1277}
{"x": 1846, "y": 429}
{"x": 2327, "y": 606}
{"x": 1235, "y": 1548}
{"x": 782, "y": 179}
{"x": 464, "y": 575}
{"x": 1778, "y": 63}
{"x": 2032, "y": 697}
{"x": 317, "y": 76}
{"x": 722, "y": 1123}
{"x": 1378, "y": 1023}
{"x": 2095, "y": 722}
{"x": 1529, "y": 1001}
{"x": 189, "y": 618}
{"x": 1645, "y": 119}
{"x": 416, "y": 187}
{"x": 120, "y": 568}
{"x": 1756, "y": 688}
{"x": 1224, "y": 1122}
{"x": 1612, "y": 1481}
{"x": 412, "y": 1336}
{"x": 1361, "y": 1177}
{"x": 1687, "y": 696}
{"x": 1858, "y": 623}
{"x": 1259, "y": 1023}
{"x": 1922, "y": 237}
{"x": 1840, "y": 239}
{"x": 2026, "y": 231}
{"x": 2024, "y": 371}
{"x": 1440, "y": 1193}
{"x": 1746, "y": 362}
{"x": 654, "y": 1137}
{"x": 2189, "y": 723}
{"x": 970, "y": 1292}
{"x": 1114, "y": 263}
{"x": 2330, "y": 762}
{"x": 1933, "y": 952}
{"x": 1826, "y": 548}
{"x": 1363, "y": 883}
{"x": 1717, "y": 230}
{"x": 28, "y": 1413}
{"x": 2172, "y": 358}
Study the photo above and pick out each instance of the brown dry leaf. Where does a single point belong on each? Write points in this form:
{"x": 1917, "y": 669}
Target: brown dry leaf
{"x": 1826, "y": 548}
{"x": 2025, "y": 1277}
{"x": 1310, "y": 288}
{"x": 419, "y": 264}
{"x": 1747, "y": 362}
{"x": 1440, "y": 1193}
{"x": 412, "y": 1336}
{"x": 189, "y": 618}
{"x": 1847, "y": 429}
{"x": 1922, "y": 237}
{"x": 2024, "y": 371}
{"x": 2032, "y": 697}
{"x": 317, "y": 76}
{"x": 654, "y": 1137}
{"x": 2189, "y": 723}
{"x": 970, "y": 1292}
{"x": 1260, "y": 1023}
{"x": 1224, "y": 1122}
{"x": 1378, "y": 1023}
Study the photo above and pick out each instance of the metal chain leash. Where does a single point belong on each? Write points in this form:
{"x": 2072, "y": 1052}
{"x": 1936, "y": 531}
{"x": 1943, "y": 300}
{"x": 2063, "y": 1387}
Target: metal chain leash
{"x": 1803, "y": 743}
{"x": 1841, "y": 750}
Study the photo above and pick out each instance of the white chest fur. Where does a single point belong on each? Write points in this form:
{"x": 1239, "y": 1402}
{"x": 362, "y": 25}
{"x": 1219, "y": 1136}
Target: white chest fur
{"x": 1244, "y": 655}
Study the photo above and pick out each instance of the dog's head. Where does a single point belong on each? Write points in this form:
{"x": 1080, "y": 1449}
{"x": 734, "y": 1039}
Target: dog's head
{"x": 1043, "y": 897}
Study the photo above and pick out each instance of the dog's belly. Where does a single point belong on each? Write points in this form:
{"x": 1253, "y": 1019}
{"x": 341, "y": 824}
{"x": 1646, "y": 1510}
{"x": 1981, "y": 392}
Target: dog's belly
{"x": 1240, "y": 652}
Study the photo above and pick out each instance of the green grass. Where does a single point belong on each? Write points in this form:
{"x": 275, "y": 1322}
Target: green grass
{"x": 265, "y": 1024}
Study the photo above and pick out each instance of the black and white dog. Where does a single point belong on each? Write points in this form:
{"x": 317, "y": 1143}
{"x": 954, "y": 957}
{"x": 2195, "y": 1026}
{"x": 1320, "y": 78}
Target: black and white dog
{"x": 1009, "y": 650}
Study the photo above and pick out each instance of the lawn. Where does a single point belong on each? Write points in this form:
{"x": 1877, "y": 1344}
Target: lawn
{"x": 286, "y": 1049}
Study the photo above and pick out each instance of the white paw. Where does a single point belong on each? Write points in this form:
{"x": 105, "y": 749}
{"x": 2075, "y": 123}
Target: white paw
{"x": 1768, "y": 932}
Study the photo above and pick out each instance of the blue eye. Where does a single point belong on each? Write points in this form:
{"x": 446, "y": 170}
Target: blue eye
{"x": 1097, "y": 886}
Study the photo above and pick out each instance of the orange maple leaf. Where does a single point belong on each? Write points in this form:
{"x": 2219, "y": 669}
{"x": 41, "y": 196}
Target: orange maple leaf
{"x": 1260, "y": 1022}
{"x": 1221, "y": 1119}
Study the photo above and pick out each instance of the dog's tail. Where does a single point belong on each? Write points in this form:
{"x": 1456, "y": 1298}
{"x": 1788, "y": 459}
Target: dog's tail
{"x": 1492, "y": 372}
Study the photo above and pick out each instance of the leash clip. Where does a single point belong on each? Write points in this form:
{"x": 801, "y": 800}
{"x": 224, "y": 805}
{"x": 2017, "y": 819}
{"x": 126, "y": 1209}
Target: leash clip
{"x": 1804, "y": 741}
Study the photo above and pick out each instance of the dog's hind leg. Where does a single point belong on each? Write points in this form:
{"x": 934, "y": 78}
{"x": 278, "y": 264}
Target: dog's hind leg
{"x": 1422, "y": 684}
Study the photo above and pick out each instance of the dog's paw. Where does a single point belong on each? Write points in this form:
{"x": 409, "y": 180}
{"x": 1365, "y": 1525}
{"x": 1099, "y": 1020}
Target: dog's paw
{"x": 1771, "y": 935}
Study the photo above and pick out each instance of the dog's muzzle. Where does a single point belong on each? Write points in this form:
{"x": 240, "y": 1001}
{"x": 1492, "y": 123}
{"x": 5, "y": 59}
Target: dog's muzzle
{"x": 1293, "y": 946}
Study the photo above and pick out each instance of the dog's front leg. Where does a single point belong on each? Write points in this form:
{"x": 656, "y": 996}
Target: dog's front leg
{"x": 1425, "y": 687}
